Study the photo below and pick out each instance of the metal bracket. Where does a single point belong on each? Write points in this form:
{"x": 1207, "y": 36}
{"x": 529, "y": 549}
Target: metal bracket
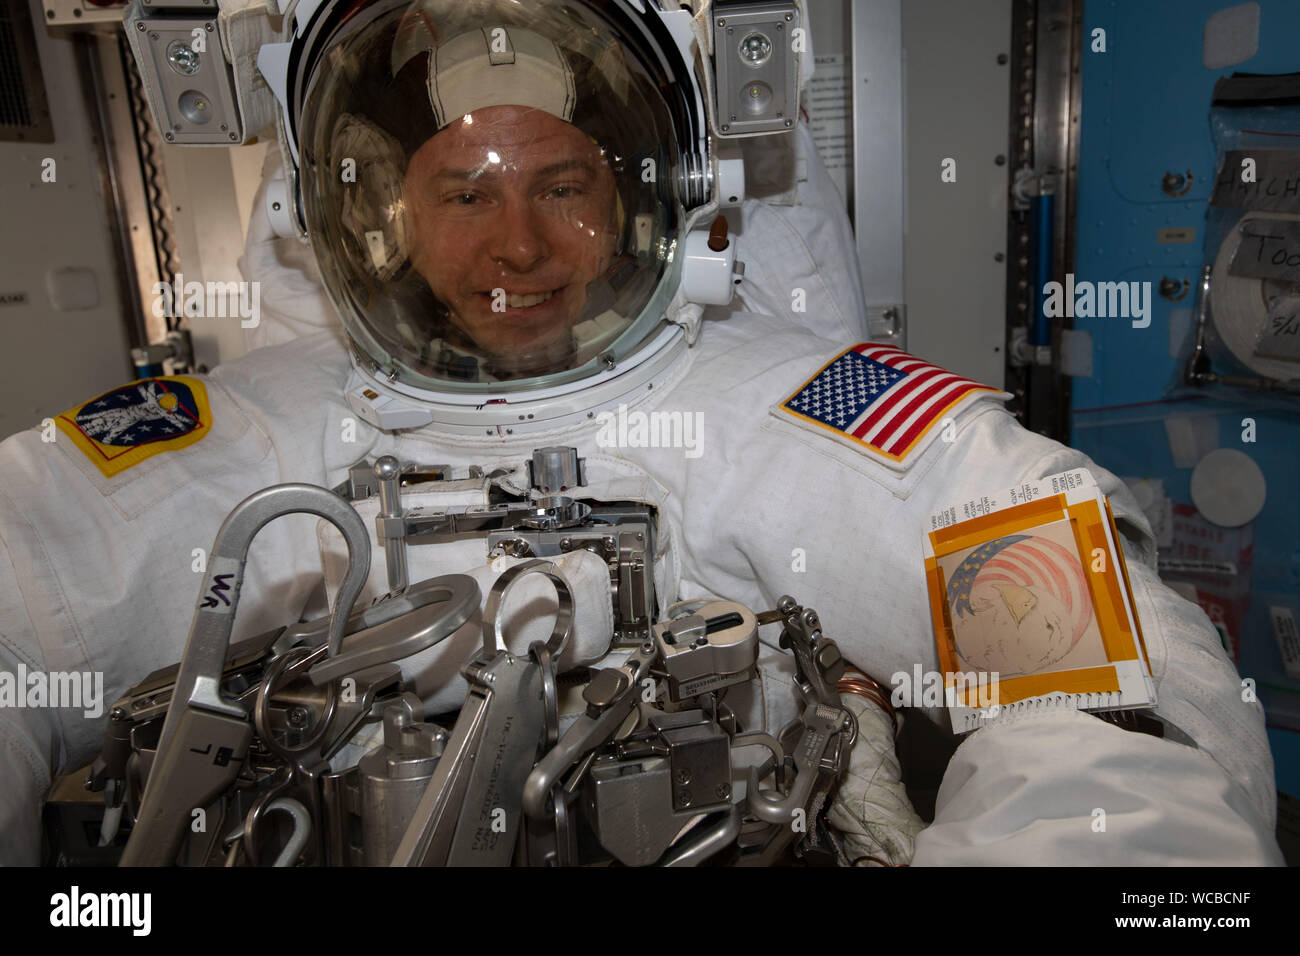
{"x": 887, "y": 323}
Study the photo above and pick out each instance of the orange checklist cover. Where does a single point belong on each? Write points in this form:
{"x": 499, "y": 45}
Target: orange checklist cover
{"x": 1031, "y": 604}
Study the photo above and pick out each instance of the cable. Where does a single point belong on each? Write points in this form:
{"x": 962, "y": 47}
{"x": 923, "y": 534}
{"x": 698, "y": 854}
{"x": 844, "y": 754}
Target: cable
{"x": 865, "y": 686}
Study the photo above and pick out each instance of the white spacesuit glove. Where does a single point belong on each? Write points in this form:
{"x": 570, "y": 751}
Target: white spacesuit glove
{"x": 871, "y": 817}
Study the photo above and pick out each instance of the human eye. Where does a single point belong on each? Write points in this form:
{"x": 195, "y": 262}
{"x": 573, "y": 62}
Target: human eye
{"x": 564, "y": 191}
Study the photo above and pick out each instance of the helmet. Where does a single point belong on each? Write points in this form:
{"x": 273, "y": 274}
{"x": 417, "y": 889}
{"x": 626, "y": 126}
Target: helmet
{"x": 494, "y": 191}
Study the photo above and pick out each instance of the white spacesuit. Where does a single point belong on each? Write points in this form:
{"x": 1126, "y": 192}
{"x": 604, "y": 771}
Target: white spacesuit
{"x": 766, "y": 492}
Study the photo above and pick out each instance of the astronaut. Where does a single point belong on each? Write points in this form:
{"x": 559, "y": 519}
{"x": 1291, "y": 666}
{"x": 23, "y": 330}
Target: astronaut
{"x": 510, "y": 272}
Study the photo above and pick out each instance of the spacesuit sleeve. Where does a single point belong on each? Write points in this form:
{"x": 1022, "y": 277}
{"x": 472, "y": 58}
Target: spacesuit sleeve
{"x": 27, "y": 736}
{"x": 800, "y": 257}
{"x": 1062, "y": 787}
{"x": 293, "y": 302}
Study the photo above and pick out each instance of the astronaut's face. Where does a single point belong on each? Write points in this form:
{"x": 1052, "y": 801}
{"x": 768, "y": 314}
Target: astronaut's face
{"x": 513, "y": 212}
{"x": 1014, "y": 630}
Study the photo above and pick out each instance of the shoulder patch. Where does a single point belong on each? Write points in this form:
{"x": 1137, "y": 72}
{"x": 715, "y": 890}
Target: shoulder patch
{"x": 880, "y": 400}
{"x": 123, "y": 427}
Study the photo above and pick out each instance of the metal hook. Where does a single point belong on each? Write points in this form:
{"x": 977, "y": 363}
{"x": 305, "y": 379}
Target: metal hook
{"x": 288, "y": 665}
{"x": 209, "y": 640}
{"x": 780, "y": 810}
{"x": 822, "y": 726}
{"x": 198, "y": 713}
{"x": 492, "y": 633}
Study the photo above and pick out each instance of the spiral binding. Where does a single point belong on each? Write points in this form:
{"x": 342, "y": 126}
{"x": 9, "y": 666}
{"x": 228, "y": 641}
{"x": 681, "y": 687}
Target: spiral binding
{"x": 987, "y": 716}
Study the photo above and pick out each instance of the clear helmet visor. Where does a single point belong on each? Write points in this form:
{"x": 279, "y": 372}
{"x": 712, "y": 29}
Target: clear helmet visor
{"x": 489, "y": 192}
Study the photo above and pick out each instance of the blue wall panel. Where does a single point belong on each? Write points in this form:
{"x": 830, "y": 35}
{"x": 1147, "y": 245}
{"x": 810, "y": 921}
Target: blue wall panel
{"x": 1146, "y": 104}
{"x": 1145, "y": 113}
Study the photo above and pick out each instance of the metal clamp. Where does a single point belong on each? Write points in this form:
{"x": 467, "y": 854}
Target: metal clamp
{"x": 826, "y": 729}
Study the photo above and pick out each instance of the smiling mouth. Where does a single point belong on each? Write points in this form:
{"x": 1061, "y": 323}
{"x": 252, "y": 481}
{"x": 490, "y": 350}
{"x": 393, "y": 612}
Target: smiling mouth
{"x": 522, "y": 301}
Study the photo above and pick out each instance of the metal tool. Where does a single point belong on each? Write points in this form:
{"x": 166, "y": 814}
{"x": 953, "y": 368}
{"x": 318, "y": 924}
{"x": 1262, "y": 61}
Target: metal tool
{"x": 389, "y": 525}
{"x": 248, "y": 732}
{"x": 470, "y": 812}
{"x": 393, "y": 777}
{"x": 658, "y": 783}
{"x": 545, "y": 522}
{"x": 820, "y": 741}
{"x": 611, "y": 697}
{"x": 713, "y": 647}
{"x": 426, "y": 613}
{"x": 205, "y": 737}
{"x": 439, "y": 607}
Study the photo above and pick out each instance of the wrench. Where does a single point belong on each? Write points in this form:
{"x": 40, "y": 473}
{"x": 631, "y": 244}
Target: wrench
{"x": 469, "y": 813}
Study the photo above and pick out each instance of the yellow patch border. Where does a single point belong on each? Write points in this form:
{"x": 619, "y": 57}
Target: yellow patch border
{"x": 112, "y": 460}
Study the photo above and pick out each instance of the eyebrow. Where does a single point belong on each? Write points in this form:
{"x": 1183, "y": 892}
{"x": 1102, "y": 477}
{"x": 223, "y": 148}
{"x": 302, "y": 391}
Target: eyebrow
{"x": 567, "y": 165}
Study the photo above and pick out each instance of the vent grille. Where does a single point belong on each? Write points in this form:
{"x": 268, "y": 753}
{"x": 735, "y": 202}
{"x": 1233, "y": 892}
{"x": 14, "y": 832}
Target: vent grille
{"x": 24, "y": 113}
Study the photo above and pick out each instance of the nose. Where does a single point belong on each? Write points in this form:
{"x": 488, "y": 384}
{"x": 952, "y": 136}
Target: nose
{"x": 519, "y": 241}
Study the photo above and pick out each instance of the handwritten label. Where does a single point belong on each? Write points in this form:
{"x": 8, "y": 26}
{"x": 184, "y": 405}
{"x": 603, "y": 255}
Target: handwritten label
{"x": 1067, "y": 481}
{"x": 1276, "y": 186}
{"x": 221, "y": 590}
{"x": 1025, "y": 492}
{"x": 1280, "y": 336}
{"x": 1269, "y": 249}
{"x": 943, "y": 519}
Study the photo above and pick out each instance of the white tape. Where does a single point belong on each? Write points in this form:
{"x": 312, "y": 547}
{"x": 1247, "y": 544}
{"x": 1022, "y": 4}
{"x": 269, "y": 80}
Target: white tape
{"x": 1239, "y": 306}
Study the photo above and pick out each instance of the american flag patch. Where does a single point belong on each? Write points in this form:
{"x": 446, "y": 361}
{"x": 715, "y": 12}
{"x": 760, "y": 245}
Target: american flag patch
{"x": 879, "y": 398}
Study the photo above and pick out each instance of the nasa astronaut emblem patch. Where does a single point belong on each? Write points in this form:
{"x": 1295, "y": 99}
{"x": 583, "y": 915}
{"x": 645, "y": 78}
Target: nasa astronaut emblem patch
{"x": 880, "y": 400}
{"x": 122, "y": 428}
